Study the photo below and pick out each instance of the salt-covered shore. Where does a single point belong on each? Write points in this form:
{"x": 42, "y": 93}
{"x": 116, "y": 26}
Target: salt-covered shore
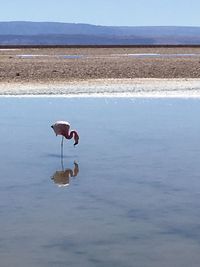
{"x": 143, "y": 87}
{"x": 149, "y": 72}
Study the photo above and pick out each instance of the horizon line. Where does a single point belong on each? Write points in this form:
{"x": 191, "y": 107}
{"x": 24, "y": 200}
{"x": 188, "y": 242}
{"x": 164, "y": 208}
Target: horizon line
{"x": 99, "y": 25}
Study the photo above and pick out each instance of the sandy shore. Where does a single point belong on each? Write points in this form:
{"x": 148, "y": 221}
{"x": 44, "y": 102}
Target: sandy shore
{"x": 101, "y": 71}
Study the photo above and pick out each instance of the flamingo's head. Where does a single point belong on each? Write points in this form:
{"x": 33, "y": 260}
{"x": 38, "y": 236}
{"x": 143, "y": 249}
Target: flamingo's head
{"x": 52, "y": 126}
{"x": 76, "y": 138}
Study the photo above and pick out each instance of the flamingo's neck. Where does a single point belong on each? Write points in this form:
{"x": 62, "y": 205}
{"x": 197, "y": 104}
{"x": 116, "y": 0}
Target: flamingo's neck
{"x": 72, "y": 134}
{"x": 69, "y": 135}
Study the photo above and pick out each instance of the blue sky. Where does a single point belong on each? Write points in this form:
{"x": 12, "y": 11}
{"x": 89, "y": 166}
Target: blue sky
{"x": 105, "y": 12}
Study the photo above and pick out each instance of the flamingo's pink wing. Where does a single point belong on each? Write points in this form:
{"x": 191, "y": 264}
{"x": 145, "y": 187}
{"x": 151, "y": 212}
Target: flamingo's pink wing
{"x": 61, "y": 128}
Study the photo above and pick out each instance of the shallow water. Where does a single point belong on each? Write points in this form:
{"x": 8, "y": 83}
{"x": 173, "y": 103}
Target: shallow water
{"x": 164, "y": 55}
{"x": 137, "y": 55}
{"x": 58, "y": 56}
{"x": 134, "y": 199}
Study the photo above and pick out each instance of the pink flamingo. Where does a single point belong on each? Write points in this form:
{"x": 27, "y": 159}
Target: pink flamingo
{"x": 62, "y": 128}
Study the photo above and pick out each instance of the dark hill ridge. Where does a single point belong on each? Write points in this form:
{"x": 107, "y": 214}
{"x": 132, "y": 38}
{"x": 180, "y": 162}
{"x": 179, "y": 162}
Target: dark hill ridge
{"x": 62, "y": 39}
{"x": 36, "y": 28}
{"x": 19, "y": 33}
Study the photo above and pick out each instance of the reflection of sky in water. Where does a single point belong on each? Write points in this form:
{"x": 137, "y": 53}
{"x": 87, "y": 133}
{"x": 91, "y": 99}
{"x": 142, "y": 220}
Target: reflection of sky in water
{"x": 71, "y": 56}
{"x": 136, "y": 198}
{"x": 57, "y": 56}
{"x": 164, "y": 55}
{"x": 137, "y": 55}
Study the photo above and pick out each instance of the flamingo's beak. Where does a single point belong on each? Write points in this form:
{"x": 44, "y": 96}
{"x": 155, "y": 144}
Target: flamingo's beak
{"x": 76, "y": 139}
{"x": 76, "y": 143}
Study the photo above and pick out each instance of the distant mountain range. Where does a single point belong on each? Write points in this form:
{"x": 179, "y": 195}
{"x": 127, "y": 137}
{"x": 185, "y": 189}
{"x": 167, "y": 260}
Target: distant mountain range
{"x": 54, "y": 33}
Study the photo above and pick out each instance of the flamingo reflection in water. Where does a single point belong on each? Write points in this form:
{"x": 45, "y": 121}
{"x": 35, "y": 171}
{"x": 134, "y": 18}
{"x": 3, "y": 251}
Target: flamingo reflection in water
{"x": 62, "y": 178}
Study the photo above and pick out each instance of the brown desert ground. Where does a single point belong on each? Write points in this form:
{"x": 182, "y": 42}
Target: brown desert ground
{"x": 49, "y": 65}
{"x": 113, "y": 70}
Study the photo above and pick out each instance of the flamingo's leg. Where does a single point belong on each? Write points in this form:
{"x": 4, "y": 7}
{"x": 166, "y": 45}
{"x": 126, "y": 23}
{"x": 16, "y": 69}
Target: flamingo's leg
{"x": 62, "y": 152}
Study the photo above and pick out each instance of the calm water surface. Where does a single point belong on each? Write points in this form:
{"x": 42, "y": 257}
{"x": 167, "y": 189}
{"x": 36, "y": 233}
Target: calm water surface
{"x": 41, "y": 55}
{"x": 134, "y": 196}
{"x": 165, "y": 55}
